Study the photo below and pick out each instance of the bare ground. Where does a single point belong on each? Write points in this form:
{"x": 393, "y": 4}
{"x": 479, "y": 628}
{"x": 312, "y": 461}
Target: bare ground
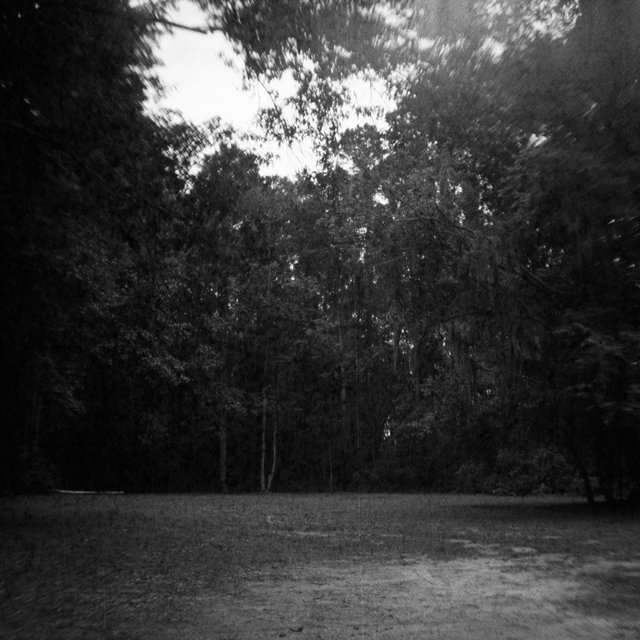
{"x": 466, "y": 598}
{"x": 254, "y": 567}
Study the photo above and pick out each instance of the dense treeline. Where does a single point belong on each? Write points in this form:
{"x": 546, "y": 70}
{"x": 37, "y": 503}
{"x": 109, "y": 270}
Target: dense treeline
{"x": 450, "y": 302}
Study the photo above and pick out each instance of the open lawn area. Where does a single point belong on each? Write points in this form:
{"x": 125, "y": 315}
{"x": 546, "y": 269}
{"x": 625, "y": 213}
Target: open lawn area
{"x": 316, "y": 566}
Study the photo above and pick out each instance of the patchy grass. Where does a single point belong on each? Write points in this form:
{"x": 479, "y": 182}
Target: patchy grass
{"x": 170, "y": 566}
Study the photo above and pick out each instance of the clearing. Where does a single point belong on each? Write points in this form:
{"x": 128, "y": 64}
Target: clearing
{"x": 243, "y": 567}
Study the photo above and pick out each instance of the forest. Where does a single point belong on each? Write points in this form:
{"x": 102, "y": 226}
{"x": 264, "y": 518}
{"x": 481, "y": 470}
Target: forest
{"x": 449, "y": 300}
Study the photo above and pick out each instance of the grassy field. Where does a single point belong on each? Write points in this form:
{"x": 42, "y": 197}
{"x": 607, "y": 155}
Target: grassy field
{"x": 316, "y": 566}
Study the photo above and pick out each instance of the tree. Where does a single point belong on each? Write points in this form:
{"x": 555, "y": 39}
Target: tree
{"x": 485, "y": 129}
{"x": 74, "y": 140}
{"x": 447, "y": 302}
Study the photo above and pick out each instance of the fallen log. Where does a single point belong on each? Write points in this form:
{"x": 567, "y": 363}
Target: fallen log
{"x": 89, "y": 493}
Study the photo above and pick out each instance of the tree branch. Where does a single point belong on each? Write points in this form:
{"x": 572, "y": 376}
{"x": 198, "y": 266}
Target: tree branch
{"x": 152, "y": 18}
{"x": 186, "y": 27}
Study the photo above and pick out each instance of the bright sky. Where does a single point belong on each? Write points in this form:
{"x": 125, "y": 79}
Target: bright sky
{"x": 198, "y": 81}
{"x": 202, "y": 76}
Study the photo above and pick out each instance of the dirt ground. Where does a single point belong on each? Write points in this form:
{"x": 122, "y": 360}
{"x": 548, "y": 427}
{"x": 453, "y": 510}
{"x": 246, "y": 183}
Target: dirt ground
{"x": 542, "y": 598}
{"x": 252, "y": 567}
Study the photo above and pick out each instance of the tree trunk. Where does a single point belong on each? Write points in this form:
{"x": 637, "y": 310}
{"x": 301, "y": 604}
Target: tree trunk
{"x": 604, "y": 480}
{"x": 330, "y": 473}
{"x": 343, "y": 437}
{"x": 343, "y": 381}
{"x": 584, "y": 474}
{"x": 273, "y": 455}
{"x": 263, "y": 446}
{"x": 396, "y": 345}
{"x": 222, "y": 460}
{"x": 32, "y": 424}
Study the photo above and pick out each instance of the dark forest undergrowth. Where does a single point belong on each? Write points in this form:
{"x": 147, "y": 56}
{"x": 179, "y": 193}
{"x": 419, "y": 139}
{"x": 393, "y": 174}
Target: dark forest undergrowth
{"x": 316, "y": 566}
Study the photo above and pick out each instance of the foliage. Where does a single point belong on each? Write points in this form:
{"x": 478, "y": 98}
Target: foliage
{"x": 447, "y": 303}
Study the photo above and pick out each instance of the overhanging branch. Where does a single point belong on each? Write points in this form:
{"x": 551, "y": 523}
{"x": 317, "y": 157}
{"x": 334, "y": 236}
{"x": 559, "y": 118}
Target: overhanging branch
{"x": 186, "y": 27}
